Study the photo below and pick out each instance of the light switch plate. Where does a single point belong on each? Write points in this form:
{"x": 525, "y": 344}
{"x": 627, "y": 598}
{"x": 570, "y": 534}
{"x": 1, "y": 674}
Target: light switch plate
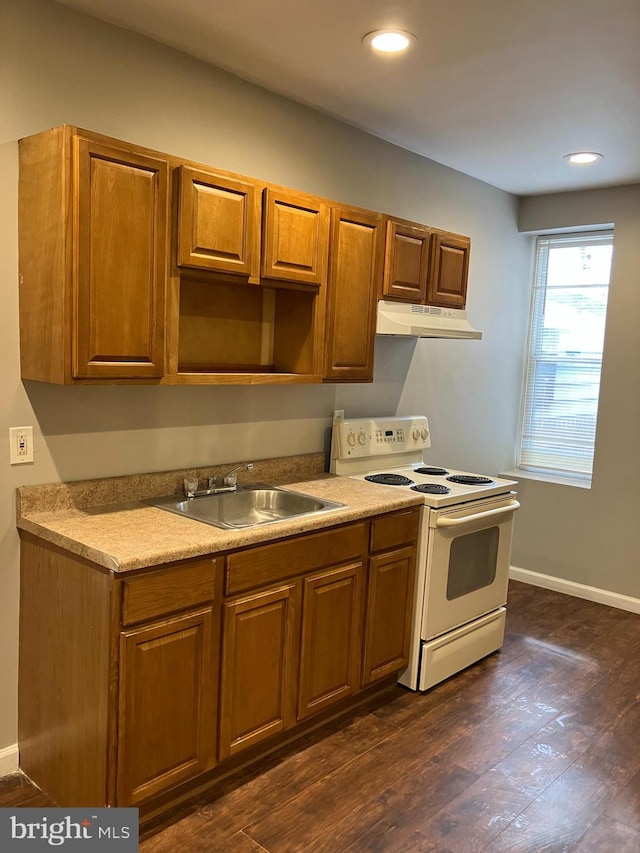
{"x": 20, "y": 445}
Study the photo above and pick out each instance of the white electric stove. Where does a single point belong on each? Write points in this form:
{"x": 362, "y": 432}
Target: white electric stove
{"x": 464, "y": 544}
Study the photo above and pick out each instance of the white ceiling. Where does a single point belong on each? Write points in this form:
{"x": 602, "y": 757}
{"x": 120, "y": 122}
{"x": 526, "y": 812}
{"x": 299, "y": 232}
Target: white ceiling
{"x": 498, "y": 89}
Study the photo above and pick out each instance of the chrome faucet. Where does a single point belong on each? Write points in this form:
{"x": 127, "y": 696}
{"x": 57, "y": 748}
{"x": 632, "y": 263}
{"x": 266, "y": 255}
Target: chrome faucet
{"x": 231, "y": 478}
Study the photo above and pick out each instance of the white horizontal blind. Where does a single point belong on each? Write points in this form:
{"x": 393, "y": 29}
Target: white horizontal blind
{"x": 566, "y": 336}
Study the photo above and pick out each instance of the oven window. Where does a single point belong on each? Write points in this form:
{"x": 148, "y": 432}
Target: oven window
{"x": 472, "y": 562}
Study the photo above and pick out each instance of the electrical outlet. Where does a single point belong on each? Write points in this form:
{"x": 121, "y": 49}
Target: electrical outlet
{"x": 20, "y": 445}
{"x": 338, "y": 414}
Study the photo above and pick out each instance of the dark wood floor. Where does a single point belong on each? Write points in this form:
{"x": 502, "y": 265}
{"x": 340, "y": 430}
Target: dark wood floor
{"x": 536, "y": 748}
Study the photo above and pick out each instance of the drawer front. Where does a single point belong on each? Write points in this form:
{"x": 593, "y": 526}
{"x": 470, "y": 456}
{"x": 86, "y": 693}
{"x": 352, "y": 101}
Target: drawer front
{"x": 168, "y": 590}
{"x": 270, "y": 563}
{"x": 390, "y": 531}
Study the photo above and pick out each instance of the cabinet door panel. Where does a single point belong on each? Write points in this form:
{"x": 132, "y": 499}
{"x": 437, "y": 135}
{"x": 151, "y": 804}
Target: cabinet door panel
{"x": 389, "y": 532}
{"x": 257, "y": 664}
{"x": 449, "y": 271}
{"x": 120, "y": 272}
{"x": 406, "y": 261}
{"x": 331, "y": 638}
{"x": 168, "y": 689}
{"x": 218, "y": 223}
{"x": 296, "y": 238}
{"x": 355, "y": 266}
{"x": 388, "y": 613}
{"x": 279, "y": 561}
{"x": 186, "y": 585}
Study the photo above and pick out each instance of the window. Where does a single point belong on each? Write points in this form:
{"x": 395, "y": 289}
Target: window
{"x": 566, "y": 336}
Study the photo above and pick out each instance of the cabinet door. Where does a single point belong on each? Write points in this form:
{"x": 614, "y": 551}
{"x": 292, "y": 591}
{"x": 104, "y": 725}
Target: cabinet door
{"x": 406, "y": 261}
{"x": 218, "y": 224}
{"x": 355, "y": 267}
{"x": 256, "y": 699}
{"x": 168, "y": 684}
{"x": 296, "y": 237}
{"x": 388, "y": 613}
{"x": 331, "y": 638}
{"x": 121, "y": 223}
{"x": 449, "y": 271}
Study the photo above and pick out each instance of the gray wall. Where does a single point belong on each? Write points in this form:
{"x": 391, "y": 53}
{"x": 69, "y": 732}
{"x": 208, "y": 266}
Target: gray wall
{"x": 58, "y": 66}
{"x": 593, "y": 536}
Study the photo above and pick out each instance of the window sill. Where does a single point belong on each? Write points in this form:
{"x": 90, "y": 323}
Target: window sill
{"x": 548, "y": 477}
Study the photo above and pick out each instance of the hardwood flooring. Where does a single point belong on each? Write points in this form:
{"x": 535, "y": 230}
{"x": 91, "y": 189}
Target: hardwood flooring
{"x": 536, "y": 748}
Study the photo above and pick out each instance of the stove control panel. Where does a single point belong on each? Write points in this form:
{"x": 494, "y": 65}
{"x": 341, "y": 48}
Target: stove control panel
{"x": 363, "y": 437}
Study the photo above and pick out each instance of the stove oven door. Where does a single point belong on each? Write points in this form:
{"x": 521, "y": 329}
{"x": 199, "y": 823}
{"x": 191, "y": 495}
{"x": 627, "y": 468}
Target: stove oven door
{"x": 468, "y": 556}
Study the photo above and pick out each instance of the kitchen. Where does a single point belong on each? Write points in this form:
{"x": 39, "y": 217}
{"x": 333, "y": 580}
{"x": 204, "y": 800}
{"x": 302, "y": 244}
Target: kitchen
{"x": 56, "y": 71}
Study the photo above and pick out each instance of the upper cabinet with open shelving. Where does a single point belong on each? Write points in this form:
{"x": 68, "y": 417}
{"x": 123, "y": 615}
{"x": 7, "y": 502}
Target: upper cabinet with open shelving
{"x": 140, "y": 267}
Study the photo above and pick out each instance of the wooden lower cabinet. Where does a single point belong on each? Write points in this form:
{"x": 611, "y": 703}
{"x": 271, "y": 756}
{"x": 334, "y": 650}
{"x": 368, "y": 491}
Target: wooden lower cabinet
{"x": 258, "y": 649}
{"x": 388, "y": 614}
{"x": 168, "y": 684}
{"x": 137, "y": 688}
{"x": 331, "y": 638}
{"x": 278, "y": 666}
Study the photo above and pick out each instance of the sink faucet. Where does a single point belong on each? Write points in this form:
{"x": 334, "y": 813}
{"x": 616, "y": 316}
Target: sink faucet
{"x": 230, "y": 483}
{"x": 231, "y": 477}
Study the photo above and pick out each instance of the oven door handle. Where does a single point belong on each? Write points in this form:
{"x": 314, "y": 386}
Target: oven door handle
{"x": 456, "y": 522}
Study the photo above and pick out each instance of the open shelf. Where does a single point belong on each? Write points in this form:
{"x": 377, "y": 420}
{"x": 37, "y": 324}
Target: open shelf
{"x": 244, "y": 333}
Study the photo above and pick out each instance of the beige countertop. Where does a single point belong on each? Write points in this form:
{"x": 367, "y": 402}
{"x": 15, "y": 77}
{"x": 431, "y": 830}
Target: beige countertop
{"x": 128, "y": 534}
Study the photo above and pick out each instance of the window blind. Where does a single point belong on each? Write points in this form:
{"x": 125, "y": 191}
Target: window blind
{"x": 564, "y": 358}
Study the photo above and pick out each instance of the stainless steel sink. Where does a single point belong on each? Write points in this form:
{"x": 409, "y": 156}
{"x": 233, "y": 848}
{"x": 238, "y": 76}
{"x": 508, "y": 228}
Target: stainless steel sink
{"x": 250, "y": 505}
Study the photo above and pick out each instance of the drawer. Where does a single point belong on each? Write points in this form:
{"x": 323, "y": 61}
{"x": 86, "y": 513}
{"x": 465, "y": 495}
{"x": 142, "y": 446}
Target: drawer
{"x": 399, "y": 528}
{"x": 167, "y": 590}
{"x": 269, "y": 563}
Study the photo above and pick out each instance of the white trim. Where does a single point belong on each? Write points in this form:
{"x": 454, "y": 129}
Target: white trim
{"x": 8, "y": 759}
{"x": 548, "y": 477}
{"x": 578, "y": 590}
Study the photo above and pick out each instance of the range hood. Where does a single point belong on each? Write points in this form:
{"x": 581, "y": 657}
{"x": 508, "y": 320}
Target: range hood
{"x": 423, "y": 321}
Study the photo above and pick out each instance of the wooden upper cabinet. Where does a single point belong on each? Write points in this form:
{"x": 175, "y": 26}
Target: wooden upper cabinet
{"x": 107, "y": 296}
{"x": 120, "y": 224}
{"x": 355, "y": 270}
{"x": 295, "y": 237}
{"x": 449, "y": 271}
{"x": 406, "y": 262}
{"x": 218, "y": 223}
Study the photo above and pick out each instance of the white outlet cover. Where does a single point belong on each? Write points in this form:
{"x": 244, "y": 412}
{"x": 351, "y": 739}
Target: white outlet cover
{"x": 20, "y": 445}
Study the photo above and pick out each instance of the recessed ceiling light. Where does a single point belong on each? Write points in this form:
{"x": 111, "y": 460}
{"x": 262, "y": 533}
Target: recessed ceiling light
{"x": 583, "y": 157}
{"x": 389, "y": 41}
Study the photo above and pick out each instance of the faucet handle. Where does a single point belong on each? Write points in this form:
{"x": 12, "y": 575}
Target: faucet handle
{"x": 190, "y": 486}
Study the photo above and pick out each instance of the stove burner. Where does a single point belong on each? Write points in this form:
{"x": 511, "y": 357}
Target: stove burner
{"x": 470, "y": 480}
{"x": 389, "y": 479}
{"x": 434, "y": 472}
{"x": 431, "y": 489}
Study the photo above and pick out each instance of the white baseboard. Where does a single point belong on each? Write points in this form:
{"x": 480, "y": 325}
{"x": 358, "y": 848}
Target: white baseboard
{"x": 579, "y": 590}
{"x": 8, "y": 760}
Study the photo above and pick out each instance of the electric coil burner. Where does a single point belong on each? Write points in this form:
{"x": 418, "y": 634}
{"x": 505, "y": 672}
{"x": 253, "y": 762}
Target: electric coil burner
{"x": 431, "y": 489}
{"x": 389, "y": 479}
{"x": 470, "y": 480}
{"x": 463, "y": 554}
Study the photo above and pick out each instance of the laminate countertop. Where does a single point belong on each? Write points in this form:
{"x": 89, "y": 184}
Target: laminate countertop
{"x": 107, "y": 522}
